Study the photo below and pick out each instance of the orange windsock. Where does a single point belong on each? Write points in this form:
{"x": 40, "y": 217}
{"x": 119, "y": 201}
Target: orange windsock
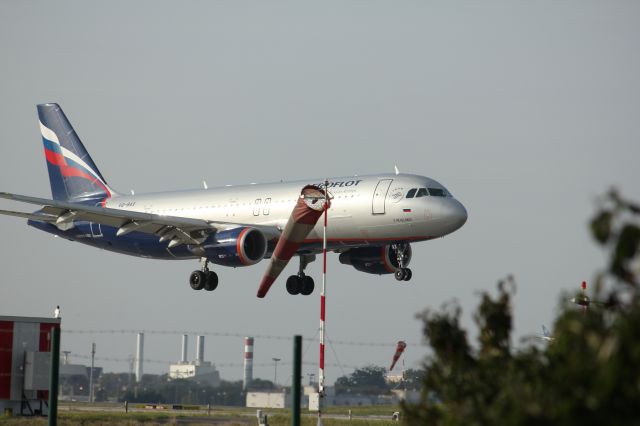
{"x": 303, "y": 218}
{"x": 399, "y": 350}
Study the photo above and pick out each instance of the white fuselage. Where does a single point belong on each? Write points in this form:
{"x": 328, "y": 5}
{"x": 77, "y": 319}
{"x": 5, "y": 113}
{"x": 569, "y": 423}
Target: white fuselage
{"x": 364, "y": 209}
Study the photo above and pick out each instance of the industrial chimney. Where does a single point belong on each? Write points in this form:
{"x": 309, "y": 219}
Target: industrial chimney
{"x": 199, "y": 350}
{"x": 185, "y": 338}
{"x": 139, "y": 357}
{"x": 247, "y": 377}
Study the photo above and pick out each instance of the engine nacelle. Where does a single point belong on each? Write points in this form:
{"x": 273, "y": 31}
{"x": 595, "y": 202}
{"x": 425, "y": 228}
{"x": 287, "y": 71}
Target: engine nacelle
{"x": 375, "y": 260}
{"x": 235, "y": 247}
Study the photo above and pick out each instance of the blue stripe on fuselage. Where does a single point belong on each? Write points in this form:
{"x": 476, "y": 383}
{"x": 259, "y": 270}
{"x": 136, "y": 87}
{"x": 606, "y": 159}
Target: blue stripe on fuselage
{"x": 101, "y": 236}
{"x": 147, "y": 245}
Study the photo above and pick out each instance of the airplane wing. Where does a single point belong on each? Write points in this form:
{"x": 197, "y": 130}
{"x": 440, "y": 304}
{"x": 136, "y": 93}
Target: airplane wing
{"x": 177, "y": 230}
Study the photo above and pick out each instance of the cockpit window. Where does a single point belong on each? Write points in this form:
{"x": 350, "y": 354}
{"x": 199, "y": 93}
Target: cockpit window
{"x": 422, "y": 192}
{"x": 437, "y": 192}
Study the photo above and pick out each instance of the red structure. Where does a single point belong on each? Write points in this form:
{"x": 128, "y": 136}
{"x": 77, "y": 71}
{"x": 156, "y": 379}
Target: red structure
{"x": 25, "y": 363}
{"x": 304, "y": 217}
{"x": 399, "y": 349}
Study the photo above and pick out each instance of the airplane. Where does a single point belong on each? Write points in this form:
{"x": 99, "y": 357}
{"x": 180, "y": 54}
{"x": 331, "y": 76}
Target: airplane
{"x": 372, "y": 219}
{"x": 546, "y": 334}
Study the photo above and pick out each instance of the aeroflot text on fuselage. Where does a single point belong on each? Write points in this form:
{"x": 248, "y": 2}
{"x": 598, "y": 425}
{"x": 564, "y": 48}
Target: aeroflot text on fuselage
{"x": 339, "y": 184}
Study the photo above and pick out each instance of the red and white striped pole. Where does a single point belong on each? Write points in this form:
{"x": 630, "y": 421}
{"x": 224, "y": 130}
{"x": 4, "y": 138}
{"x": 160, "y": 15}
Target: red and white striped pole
{"x": 247, "y": 376}
{"x": 323, "y": 305}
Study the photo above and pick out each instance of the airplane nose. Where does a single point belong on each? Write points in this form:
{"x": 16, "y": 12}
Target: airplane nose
{"x": 456, "y": 214}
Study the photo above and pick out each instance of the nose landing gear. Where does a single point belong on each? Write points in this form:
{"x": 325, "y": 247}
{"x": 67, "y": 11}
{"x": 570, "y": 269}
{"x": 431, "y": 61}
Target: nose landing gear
{"x": 204, "y": 278}
{"x": 402, "y": 273}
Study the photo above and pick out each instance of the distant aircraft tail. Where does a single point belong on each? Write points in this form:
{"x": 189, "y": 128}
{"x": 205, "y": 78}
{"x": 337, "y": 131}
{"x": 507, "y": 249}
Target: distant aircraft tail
{"x": 73, "y": 175}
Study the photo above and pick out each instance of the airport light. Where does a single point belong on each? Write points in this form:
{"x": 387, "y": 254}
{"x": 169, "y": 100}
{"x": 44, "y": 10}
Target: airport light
{"x": 275, "y": 371}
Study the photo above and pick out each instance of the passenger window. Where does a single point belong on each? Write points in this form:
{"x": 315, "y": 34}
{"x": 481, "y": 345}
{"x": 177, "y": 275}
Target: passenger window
{"x": 422, "y": 192}
{"x": 437, "y": 192}
{"x": 411, "y": 192}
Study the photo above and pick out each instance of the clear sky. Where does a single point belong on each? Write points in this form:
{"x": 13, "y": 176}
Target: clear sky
{"x": 525, "y": 111}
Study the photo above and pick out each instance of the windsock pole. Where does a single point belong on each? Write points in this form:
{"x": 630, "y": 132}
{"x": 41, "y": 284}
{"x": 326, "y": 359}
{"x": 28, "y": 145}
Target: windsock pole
{"x": 323, "y": 305}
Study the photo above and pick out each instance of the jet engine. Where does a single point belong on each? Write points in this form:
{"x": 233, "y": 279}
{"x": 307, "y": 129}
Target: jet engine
{"x": 377, "y": 260}
{"x": 235, "y": 247}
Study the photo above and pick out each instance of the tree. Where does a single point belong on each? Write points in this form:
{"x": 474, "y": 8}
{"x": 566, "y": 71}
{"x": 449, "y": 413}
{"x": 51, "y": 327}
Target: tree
{"x": 589, "y": 373}
{"x": 261, "y": 384}
{"x": 413, "y": 379}
{"x": 368, "y": 380}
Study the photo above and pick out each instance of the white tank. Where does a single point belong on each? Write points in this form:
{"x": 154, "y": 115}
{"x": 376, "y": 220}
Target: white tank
{"x": 185, "y": 340}
{"x": 199, "y": 350}
{"x": 139, "y": 357}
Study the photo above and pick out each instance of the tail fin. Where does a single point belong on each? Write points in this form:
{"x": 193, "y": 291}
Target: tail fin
{"x": 73, "y": 175}
{"x": 545, "y": 331}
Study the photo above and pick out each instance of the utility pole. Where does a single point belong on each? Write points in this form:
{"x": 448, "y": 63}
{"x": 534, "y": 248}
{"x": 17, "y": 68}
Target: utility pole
{"x": 295, "y": 380}
{"x": 93, "y": 356}
{"x": 53, "y": 379}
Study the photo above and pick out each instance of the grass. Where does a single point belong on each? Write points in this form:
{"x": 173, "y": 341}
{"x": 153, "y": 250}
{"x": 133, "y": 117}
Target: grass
{"x": 222, "y": 415}
{"x": 364, "y": 410}
{"x": 95, "y": 419}
{"x": 282, "y": 420}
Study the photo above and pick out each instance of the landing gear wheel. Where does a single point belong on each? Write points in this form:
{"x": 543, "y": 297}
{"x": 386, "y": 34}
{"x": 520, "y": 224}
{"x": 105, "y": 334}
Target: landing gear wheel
{"x": 403, "y": 274}
{"x": 307, "y": 285}
{"x": 294, "y": 285}
{"x": 407, "y": 274}
{"x": 211, "y": 282}
{"x": 197, "y": 280}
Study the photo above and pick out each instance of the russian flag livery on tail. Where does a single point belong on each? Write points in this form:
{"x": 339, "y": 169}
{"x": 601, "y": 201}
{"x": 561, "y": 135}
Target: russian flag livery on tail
{"x": 72, "y": 173}
{"x": 373, "y": 220}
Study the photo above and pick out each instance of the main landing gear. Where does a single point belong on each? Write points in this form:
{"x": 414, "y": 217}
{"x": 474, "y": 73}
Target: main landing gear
{"x": 204, "y": 278}
{"x": 402, "y": 273}
{"x": 301, "y": 283}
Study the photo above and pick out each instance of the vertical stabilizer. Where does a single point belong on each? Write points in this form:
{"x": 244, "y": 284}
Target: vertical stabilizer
{"x": 73, "y": 175}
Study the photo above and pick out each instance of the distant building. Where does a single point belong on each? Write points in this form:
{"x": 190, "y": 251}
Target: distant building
{"x": 205, "y": 373}
{"x": 394, "y": 378}
{"x": 199, "y": 370}
{"x": 268, "y": 399}
{"x": 74, "y": 380}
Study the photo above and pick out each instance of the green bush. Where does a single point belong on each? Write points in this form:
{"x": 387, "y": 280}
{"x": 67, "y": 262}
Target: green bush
{"x": 589, "y": 374}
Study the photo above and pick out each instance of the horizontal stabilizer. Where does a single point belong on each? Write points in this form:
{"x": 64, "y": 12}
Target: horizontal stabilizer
{"x": 32, "y": 216}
